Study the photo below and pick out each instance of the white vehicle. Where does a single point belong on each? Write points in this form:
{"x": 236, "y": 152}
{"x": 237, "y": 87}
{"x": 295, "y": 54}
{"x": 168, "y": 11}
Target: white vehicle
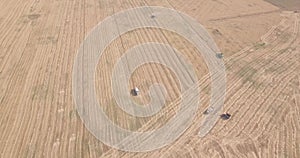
{"x": 135, "y": 91}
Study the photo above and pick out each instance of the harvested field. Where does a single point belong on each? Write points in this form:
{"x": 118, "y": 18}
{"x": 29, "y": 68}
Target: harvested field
{"x": 39, "y": 41}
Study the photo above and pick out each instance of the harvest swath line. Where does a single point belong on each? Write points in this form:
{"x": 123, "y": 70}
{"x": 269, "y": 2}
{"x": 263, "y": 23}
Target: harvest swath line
{"x": 56, "y": 88}
{"x": 149, "y": 121}
{"x": 245, "y": 15}
{"x": 264, "y": 54}
{"x": 19, "y": 65}
{"x": 251, "y": 94}
{"x": 284, "y": 87}
{"x": 36, "y": 111}
{"x": 30, "y": 127}
{"x": 241, "y": 95}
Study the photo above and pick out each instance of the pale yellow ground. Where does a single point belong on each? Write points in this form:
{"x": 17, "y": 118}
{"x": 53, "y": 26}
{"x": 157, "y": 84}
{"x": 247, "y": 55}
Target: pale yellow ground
{"x": 38, "y": 44}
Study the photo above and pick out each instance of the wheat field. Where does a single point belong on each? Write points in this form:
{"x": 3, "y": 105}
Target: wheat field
{"x": 39, "y": 42}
